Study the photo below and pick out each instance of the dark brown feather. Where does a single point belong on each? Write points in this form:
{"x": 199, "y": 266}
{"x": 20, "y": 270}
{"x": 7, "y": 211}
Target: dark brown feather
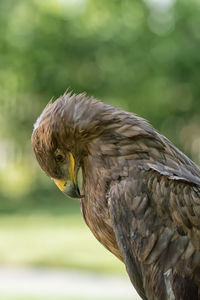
{"x": 142, "y": 195}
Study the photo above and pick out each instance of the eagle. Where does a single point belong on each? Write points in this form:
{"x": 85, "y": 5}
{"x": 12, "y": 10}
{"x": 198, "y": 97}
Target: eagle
{"x": 140, "y": 195}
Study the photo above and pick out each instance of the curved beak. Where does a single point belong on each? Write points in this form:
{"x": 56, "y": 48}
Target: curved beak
{"x": 69, "y": 187}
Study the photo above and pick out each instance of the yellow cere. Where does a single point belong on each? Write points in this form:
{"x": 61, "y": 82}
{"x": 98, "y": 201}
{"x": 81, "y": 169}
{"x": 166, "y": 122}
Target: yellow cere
{"x": 62, "y": 184}
{"x": 72, "y": 167}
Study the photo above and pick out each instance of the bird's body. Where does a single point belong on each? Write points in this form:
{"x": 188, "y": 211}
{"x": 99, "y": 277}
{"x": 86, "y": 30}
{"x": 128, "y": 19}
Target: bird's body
{"x": 141, "y": 194}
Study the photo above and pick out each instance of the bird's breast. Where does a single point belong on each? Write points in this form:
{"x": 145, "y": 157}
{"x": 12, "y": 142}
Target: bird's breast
{"x": 100, "y": 224}
{"x": 96, "y": 178}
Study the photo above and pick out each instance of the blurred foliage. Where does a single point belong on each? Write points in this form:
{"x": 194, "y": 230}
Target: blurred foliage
{"x": 142, "y": 56}
{"x": 30, "y": 297}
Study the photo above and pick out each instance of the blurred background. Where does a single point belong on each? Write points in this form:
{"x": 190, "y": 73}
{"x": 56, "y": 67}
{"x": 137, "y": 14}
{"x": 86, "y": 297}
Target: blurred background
{"x": 142, "y": 56}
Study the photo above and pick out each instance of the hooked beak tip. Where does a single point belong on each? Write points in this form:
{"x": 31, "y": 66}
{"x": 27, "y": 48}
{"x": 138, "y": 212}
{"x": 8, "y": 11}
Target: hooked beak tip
{"x": 73, "y": 191}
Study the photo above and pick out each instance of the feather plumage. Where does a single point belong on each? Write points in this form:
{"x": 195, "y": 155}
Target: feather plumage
{"x": 142, "y": 194}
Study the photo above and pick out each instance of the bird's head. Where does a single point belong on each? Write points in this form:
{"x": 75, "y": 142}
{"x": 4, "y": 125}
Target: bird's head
{"x": 70, "y": 129}
{"x": 54, "y": 148}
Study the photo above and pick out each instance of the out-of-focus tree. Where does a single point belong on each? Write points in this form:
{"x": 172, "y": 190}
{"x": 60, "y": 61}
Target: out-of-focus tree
{"x": 140, "y": 55}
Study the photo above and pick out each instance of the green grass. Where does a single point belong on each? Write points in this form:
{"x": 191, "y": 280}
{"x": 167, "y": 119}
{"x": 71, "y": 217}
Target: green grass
{"x": 65, "y": 241}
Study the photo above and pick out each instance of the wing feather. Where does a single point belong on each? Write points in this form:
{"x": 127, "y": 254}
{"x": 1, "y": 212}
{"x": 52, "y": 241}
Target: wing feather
{"x": 156, "y": 220}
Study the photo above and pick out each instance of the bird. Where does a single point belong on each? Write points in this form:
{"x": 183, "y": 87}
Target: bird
{"x": 140, "y": 195}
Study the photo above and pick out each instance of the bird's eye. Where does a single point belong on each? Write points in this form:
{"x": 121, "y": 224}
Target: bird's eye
{"x": 59, "y": 157}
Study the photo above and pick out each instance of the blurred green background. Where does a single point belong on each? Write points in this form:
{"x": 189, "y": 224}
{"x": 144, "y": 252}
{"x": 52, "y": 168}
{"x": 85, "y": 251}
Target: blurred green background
{"x": 142, "y": 56}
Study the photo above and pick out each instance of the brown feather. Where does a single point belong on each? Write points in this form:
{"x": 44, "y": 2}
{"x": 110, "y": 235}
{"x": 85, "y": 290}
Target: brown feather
{"x": 142, "y": 195}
